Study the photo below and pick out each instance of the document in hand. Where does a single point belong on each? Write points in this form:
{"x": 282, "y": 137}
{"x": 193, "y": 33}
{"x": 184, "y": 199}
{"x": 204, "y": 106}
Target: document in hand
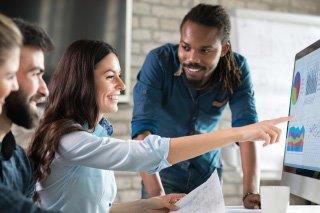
{"x": 205, "y": 198}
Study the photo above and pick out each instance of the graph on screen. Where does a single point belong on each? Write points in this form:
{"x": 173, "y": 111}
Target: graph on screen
{"x": 296, "y": 88}
{"x": 312, "y": 82}
{"x": 295, "y": 139}
{"x": 315, "y": 130}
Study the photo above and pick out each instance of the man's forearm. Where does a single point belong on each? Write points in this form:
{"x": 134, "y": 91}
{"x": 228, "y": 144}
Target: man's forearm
{"x": 250, "y": 167}
{"x": 152, "y": 183}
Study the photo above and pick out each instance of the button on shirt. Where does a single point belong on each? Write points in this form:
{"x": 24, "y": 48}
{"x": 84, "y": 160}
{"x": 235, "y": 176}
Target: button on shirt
{"x": 165, "y": 105}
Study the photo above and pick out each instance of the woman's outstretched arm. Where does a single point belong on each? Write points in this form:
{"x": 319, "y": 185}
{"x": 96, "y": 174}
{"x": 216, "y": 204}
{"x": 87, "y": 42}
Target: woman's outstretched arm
{"x": 187, "y": 147}
{"x": 155, "y": 153}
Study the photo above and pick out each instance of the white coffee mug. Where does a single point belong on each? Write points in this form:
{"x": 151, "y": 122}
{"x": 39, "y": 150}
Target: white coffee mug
{"x": 274, "y": 199}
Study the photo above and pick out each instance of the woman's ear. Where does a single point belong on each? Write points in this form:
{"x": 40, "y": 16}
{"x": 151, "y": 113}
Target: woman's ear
{"x": 225, "y": 49}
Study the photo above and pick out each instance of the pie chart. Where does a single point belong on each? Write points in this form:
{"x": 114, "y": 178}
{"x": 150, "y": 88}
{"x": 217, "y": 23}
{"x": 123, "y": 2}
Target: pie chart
{"x": 295, "y": 88}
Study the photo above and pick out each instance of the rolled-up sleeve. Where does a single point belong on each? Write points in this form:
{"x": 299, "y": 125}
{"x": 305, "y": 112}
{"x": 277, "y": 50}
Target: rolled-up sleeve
{"x": 147, "y": 96}
{"x": 83, "y": 148}
{"x": 242, "y": 102}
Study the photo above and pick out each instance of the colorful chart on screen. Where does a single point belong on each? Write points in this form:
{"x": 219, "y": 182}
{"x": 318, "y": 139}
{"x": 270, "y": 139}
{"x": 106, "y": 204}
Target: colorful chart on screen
{"x": 295, "y": 139}
{"x": 296, "y": 88}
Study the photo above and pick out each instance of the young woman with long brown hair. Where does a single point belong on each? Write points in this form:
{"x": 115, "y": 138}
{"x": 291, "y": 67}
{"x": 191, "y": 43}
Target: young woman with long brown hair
{"x": 73, "y": 154}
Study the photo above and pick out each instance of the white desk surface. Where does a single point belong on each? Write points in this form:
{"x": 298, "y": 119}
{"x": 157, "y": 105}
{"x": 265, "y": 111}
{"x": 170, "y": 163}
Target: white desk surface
{"x": 292, "y": 209}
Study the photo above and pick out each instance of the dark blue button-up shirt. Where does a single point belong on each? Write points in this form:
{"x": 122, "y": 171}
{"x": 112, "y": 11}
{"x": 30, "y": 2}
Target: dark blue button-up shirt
{"x": 17, "y": 185}
{"x": 165, "y": 105}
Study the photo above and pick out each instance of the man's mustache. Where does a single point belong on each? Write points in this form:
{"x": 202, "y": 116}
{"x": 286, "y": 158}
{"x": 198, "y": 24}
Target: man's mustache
{"x": 192, "y": 66}
{"x": 40, "y": 100}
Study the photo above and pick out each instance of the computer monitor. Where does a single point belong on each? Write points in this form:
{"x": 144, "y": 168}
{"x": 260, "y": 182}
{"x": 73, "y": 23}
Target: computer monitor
{"x": 301, "y": 165}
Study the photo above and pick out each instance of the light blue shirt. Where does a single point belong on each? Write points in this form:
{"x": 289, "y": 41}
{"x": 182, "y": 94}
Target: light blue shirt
{"x": 82, "y": 177}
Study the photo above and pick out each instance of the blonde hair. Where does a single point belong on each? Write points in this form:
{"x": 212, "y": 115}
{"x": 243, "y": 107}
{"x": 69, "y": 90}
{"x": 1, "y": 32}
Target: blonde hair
{"x": 10, "y": 36}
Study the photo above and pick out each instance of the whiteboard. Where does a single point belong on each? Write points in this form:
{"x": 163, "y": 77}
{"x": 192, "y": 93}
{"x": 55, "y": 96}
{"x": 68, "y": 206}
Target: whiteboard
{"x": 269, "y": 41}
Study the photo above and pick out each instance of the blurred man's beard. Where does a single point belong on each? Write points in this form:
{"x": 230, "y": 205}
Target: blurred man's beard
{"x": 17, "y": 109}
{"x": 195, "y": 83}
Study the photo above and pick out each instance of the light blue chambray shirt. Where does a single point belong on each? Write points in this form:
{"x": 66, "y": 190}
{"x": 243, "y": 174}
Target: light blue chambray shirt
{"x": 82, "y": 177}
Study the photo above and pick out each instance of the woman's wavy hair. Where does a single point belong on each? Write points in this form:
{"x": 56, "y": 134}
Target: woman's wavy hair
{"x": 227, "y": 71}
{"x": 72, "y": 101}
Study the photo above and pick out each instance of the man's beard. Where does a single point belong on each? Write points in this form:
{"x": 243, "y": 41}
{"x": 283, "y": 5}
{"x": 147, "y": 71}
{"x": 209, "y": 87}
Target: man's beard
{"x": 17, "y": 109}
{"x": 196, "y": 83}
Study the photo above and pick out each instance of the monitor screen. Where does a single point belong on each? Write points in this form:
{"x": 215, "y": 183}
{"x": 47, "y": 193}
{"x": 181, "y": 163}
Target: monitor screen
{"x": 302, "y": 152}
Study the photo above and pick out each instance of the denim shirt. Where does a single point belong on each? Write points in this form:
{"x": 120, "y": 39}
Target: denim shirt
{"x": 17, "y": 185}
{"x": 165, "y": 105}
{"x": 82, "y": 177}
{"x": 17, "y": 173}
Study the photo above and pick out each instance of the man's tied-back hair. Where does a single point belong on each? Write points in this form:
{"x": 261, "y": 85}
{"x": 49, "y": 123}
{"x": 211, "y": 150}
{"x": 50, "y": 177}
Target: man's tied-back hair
{"x": 34, "y": 36}
{"x": 210, "y": 16}
{"x": 217, "y": 17}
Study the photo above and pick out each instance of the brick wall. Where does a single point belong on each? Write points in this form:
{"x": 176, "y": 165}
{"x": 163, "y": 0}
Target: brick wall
{"x": 156, "y": 22}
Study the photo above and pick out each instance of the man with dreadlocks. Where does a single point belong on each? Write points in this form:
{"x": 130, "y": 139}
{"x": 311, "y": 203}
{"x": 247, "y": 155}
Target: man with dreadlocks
{"x": 183, "y": 89}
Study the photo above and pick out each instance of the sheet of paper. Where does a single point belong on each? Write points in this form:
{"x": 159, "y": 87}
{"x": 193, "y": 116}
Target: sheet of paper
{"x": 205, "y": 198}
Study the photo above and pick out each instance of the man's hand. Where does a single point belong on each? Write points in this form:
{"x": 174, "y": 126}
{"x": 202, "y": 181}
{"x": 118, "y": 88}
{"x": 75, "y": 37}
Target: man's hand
{"x": 252, "y": 201}
{"x": 161, "y": 204}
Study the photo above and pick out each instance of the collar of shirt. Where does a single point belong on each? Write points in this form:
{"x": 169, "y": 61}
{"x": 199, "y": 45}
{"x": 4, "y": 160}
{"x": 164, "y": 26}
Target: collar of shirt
{"x": 103, "y": 128}
{"x": 8, "y": 146}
